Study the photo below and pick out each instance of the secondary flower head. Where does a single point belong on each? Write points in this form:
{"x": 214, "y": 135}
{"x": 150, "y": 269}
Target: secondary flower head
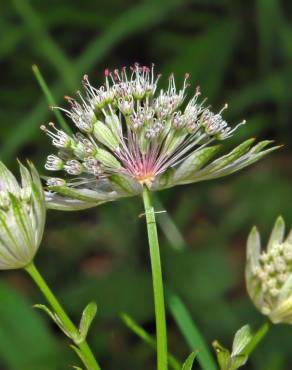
{"x": 269, "y": 273}
{"x": 130, "y": 134}
{"x": 22, "y": 217}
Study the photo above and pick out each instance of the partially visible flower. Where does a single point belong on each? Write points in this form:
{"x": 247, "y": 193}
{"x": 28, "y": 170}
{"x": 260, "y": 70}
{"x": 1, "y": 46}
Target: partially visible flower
{"x": 240, "y": 350}
{"x": 130, "y": 135}
{"x": 269, "y": 273}
{"x": 22, "y": 217}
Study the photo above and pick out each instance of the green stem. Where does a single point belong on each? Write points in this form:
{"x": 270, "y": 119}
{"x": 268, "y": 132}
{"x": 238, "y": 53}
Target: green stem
{"x": 89, "y": 359}
{"x": 161, "y": 335}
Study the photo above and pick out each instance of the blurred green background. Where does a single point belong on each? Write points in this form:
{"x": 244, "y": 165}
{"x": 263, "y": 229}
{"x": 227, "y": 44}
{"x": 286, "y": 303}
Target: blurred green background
{"x": 237, "y": 51}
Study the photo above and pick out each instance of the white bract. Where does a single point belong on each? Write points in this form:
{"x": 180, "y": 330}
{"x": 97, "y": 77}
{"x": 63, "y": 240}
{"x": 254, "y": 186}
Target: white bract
{"x": 22, "y": 217}
{"x": 269, "y": 273}
{"x": 129, "y": 134}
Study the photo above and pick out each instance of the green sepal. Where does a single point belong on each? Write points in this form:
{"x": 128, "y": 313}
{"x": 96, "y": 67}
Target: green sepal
{"x": 165, "y": 180}
{"x": 86, "y": 320}
{"x": 172, "y": 141}
{"x": 277, "y": 234}
{"x": 13, "y": 249}
{"x": 26, "y": 181}
{"x": 194, "y": 163}
{"x": 10, "y": 184}
{"x": 125, "y": 185}
{"x": 24, "y": 229}
{"x": 105, "y": 136}
{"x": 113, "y": 122}
{"x": 188, "y": 364}
{"x": 63, "y": 203}
{"x": 230, "y": 157}
{"x": 85, "y": 195}
{"x": 143, "y": 141}
{"x": 107, "y": 159}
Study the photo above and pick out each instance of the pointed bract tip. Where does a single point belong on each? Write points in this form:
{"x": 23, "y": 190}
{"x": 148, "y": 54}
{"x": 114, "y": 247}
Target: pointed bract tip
{"x": 280, "y": 221}
{"x": 35, "y": 68}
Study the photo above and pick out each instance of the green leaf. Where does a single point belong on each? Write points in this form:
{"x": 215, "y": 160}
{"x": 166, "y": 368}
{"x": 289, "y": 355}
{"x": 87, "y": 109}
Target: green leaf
{"x": 50, "y": 99}
{"x": 223, "y": 355}
{"x": 22, "y": 329}
{"x": 56, "y": 319}
{"x": 188, "y": 364}
{"x": 88, "y": 316}
{"x": 243, "y": 344}
{"x": 190, "y": 332}
{"x": 44, "y": 308}
{"x": 80, "y": 355}
{"x": 241, "y": 339}
{"x": 148, "y": 339}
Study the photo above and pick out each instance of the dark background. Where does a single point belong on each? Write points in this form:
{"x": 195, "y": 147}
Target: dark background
{"x": 237, "y": 51}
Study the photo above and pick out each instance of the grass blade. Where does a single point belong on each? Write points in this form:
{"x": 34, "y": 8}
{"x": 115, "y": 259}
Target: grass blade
{"x": 49, "y": 96}
{"x": 148, "y": 339}
{"x": 190, "y": 332}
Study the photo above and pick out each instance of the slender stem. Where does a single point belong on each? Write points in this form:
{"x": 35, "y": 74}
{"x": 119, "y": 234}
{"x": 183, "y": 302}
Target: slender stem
{"x": 161, "y": 334}
{"x": 89, "y": 359}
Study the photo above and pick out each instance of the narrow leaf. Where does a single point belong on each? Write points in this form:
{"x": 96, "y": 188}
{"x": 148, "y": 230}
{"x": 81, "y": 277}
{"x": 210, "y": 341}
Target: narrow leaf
{"x": 188, "y": 364}
{"x": 45, "y": 309}
{"x": 148, "y": 339}
{"x": 80, "y": 355}
{"x": 190, "y": 332}
{"x": 50, "y": 99}
{"x": 86, "y": 320}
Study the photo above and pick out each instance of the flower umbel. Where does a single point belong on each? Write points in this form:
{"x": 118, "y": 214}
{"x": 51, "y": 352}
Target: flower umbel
{"x": 22, "y": 217}
{"x": 269, "y": 273}
{"x": 130, "y": 135}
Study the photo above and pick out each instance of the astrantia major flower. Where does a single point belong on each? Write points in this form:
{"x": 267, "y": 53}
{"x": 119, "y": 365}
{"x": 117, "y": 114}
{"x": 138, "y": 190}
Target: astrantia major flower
{"x": 22, "y": 217}
{"x": 269, "y": 273}
{"x": 130, "y": 135}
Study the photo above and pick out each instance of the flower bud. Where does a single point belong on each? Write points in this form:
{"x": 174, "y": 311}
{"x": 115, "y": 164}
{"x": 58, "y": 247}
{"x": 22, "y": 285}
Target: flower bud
{"x": 22, "y": 217}
{"x": 269, "y": 273}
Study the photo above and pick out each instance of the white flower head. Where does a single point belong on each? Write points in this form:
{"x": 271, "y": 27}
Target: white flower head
{"x": 131, "y": 134}
{"x": 22, "y": 217}
{"x": 269, "y": 273}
